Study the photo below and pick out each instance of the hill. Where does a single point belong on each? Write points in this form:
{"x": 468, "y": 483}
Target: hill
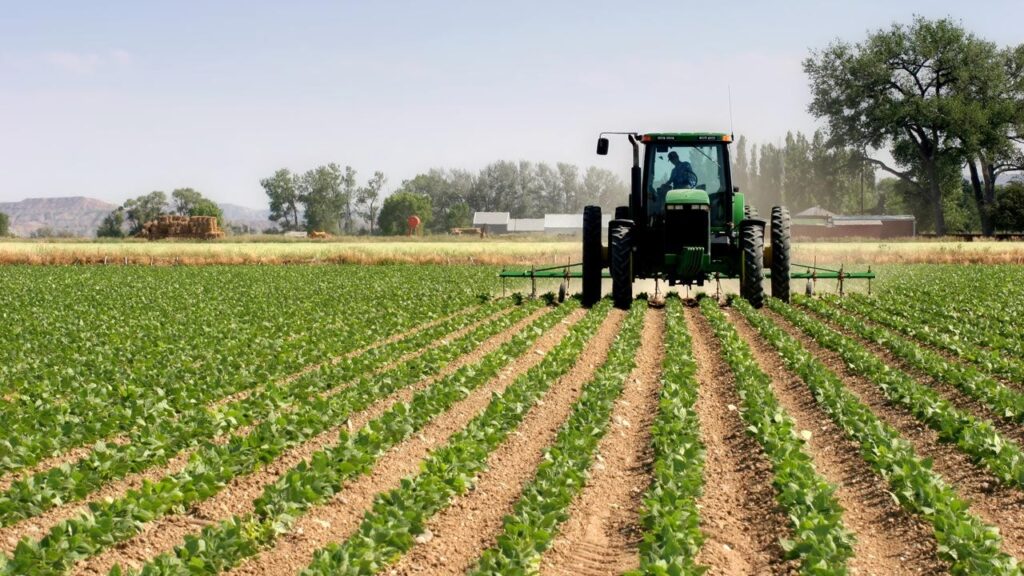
{"x": 255, "y": 218}
{"x": 76, "y": 215}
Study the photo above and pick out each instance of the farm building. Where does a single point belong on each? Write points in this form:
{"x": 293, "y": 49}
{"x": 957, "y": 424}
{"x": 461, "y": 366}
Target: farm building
{"x": 525, "y": 225}
{"x": 502, "y": 223}
{"x": 569, "y": 223}
{"x": 818, "y": 223}
{"x": 491, "y": 222}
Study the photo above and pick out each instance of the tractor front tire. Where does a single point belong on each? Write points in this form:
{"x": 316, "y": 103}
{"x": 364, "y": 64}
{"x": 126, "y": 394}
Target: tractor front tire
{"x": 621, "y": 249}
{"x": 592, "y": 255}
{"x": 780, "y": 252}
{"x": 752, "y": 261}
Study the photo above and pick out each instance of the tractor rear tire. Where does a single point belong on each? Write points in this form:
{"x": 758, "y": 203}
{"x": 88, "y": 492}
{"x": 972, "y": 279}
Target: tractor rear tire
{"x": 752, "y": 261}
{"x": 622, "y": 212}
{"x": 592, "y": 255}
{"x": 780, "y": 252}
{"x": 621, "y": 250}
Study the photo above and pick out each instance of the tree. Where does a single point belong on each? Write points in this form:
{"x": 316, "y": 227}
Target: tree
{"x": 1008, "y": 212}
{"x": 320, "y": 192}
{"x": 397, "y": 209}
{"x": 604, "y": 188}
{"x": 348, "y": 197}
{"x": 994, "y": 150}
{"x": 207, "y": 207}
{"x": 112, "y": 225}
{"x": 140, "y": 210}
{"x": 184, "y": 199}
{"x": 740, "y": 169}
{"x": 282, "y": 190}
{"x": 367, "y": 198}
{"x": 900, "y": 89}
{"x": 5, "y": 225}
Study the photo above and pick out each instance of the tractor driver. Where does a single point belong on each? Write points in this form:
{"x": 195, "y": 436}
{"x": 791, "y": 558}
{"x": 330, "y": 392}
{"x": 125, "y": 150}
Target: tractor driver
{"x": 682, "y": 176}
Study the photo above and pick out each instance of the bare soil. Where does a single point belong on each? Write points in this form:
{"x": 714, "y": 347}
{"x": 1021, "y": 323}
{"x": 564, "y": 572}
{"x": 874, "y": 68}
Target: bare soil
{"x": 739, "y": 515}
{"x": 473, "y": 522}
{"x": 888, "y": 539}
{"x": 339, "y": 518}
{"x": 603, "y": 531}
{"x": 238, "y": 496}
{"x": 993, "y": 502}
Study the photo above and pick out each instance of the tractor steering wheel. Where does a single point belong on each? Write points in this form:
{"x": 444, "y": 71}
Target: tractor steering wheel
{"x": 690, "y": 180}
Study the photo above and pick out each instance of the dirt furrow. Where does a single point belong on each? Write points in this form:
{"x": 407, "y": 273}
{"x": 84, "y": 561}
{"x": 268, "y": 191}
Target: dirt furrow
{"x": 888, "y": 539}
{"x": 474, "y": 520}
{"x": 603, "y": 531}
{"x": 1011, "y": 430}
{"x": 739, "y": 516}
{"x": 994, "y": 503}
{"x": 37, "y": 526}
{"x": 238, "y": 496}
{"x": 339, "y": 518}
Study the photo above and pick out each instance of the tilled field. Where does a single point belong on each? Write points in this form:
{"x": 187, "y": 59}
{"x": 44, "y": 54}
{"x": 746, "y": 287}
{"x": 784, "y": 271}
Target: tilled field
{"x": 868, "y": 435}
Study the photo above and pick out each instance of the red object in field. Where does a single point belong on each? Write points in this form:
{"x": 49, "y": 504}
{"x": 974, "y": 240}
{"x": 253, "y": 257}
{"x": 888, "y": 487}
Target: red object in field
{"x": 414, "y": 224}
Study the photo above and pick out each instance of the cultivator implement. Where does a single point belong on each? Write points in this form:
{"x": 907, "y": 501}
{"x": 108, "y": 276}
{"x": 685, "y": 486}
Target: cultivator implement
{"x": 810, "y": 272}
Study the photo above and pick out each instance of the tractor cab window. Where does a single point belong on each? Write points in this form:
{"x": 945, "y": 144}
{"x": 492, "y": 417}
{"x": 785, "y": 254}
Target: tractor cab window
{"x": 680, "y": 166}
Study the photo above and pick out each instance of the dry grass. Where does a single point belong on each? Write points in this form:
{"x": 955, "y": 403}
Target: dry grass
{"x": 443, "y": 250}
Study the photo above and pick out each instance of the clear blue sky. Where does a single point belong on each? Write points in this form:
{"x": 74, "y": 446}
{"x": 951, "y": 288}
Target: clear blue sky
{"x": 115, "y": 99}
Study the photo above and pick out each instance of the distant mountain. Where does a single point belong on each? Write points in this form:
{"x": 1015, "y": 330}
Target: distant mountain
{"x": 255, "y": 218}
{"x": 76, "y": 215}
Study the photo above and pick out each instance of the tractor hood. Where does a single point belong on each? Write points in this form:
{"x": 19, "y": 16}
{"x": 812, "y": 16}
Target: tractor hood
{"x": 687, "y": 196}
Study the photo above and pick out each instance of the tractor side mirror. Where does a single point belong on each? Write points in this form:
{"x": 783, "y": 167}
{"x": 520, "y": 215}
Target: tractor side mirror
{"x": 735, "y": 188}
{"x": 602, "y": 146}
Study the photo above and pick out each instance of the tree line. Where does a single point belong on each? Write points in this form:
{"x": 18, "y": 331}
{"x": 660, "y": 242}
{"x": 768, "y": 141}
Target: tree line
{"x": 130, "y": 217}
{"x": 940, "y": 101}
{"x": 328, "y": 198}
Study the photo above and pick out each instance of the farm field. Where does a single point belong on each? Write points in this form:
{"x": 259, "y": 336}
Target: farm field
{"x": 407, "y": 419}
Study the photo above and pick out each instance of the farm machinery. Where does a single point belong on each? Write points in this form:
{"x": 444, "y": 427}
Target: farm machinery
{"x": 685, "y": 224}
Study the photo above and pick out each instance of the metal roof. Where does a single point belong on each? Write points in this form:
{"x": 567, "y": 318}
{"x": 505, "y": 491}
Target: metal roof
{"x": 857, "y": 222}
{"x": 571, "y": 220}
{"x": 490, "y": 218}
{"x": 526, "y": 225}
{"x": 814, "y": 212}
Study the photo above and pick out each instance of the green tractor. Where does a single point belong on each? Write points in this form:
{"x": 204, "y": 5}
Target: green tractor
{"x": 686, "y": 223}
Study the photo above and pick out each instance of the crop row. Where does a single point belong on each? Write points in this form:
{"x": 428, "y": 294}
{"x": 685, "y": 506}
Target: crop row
{"x": 955, "y": 301}
{"x": 314, "y": 481}
{"x": 977, "y": 438}
{"x": 210, "y": 469}
{"x": 820, "y": 540}
{"x": 920, "y": 325}
{"x": 533, "y": 524}
{"x": 966, "y": 543}
{"x": 671, "y": 520}
{"x": 107, "y": 355}
{"x": 1003, "y": 401}
{"x": 156, "y": 442}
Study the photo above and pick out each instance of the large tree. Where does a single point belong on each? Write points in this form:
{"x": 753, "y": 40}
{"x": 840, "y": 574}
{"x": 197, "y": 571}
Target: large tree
{"x": 899, "y": 90}
{"x": 282, "y": 190}
{"x": 322, "y": 198}
{"x": 5, "y": 224}
{"x": 140, "y": 210}
{"x": 397, "y": 209}
{"x": 112, "y": 225}
{"x": 189, "y": 202}
{"x": 993, "y": 148}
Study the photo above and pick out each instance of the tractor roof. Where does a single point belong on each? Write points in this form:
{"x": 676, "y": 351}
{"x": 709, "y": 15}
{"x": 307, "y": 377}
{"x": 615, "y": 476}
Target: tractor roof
{"x": 686, "y": 137}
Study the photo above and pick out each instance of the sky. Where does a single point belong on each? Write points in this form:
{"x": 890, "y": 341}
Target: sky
{"x": 115, "y": 99}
